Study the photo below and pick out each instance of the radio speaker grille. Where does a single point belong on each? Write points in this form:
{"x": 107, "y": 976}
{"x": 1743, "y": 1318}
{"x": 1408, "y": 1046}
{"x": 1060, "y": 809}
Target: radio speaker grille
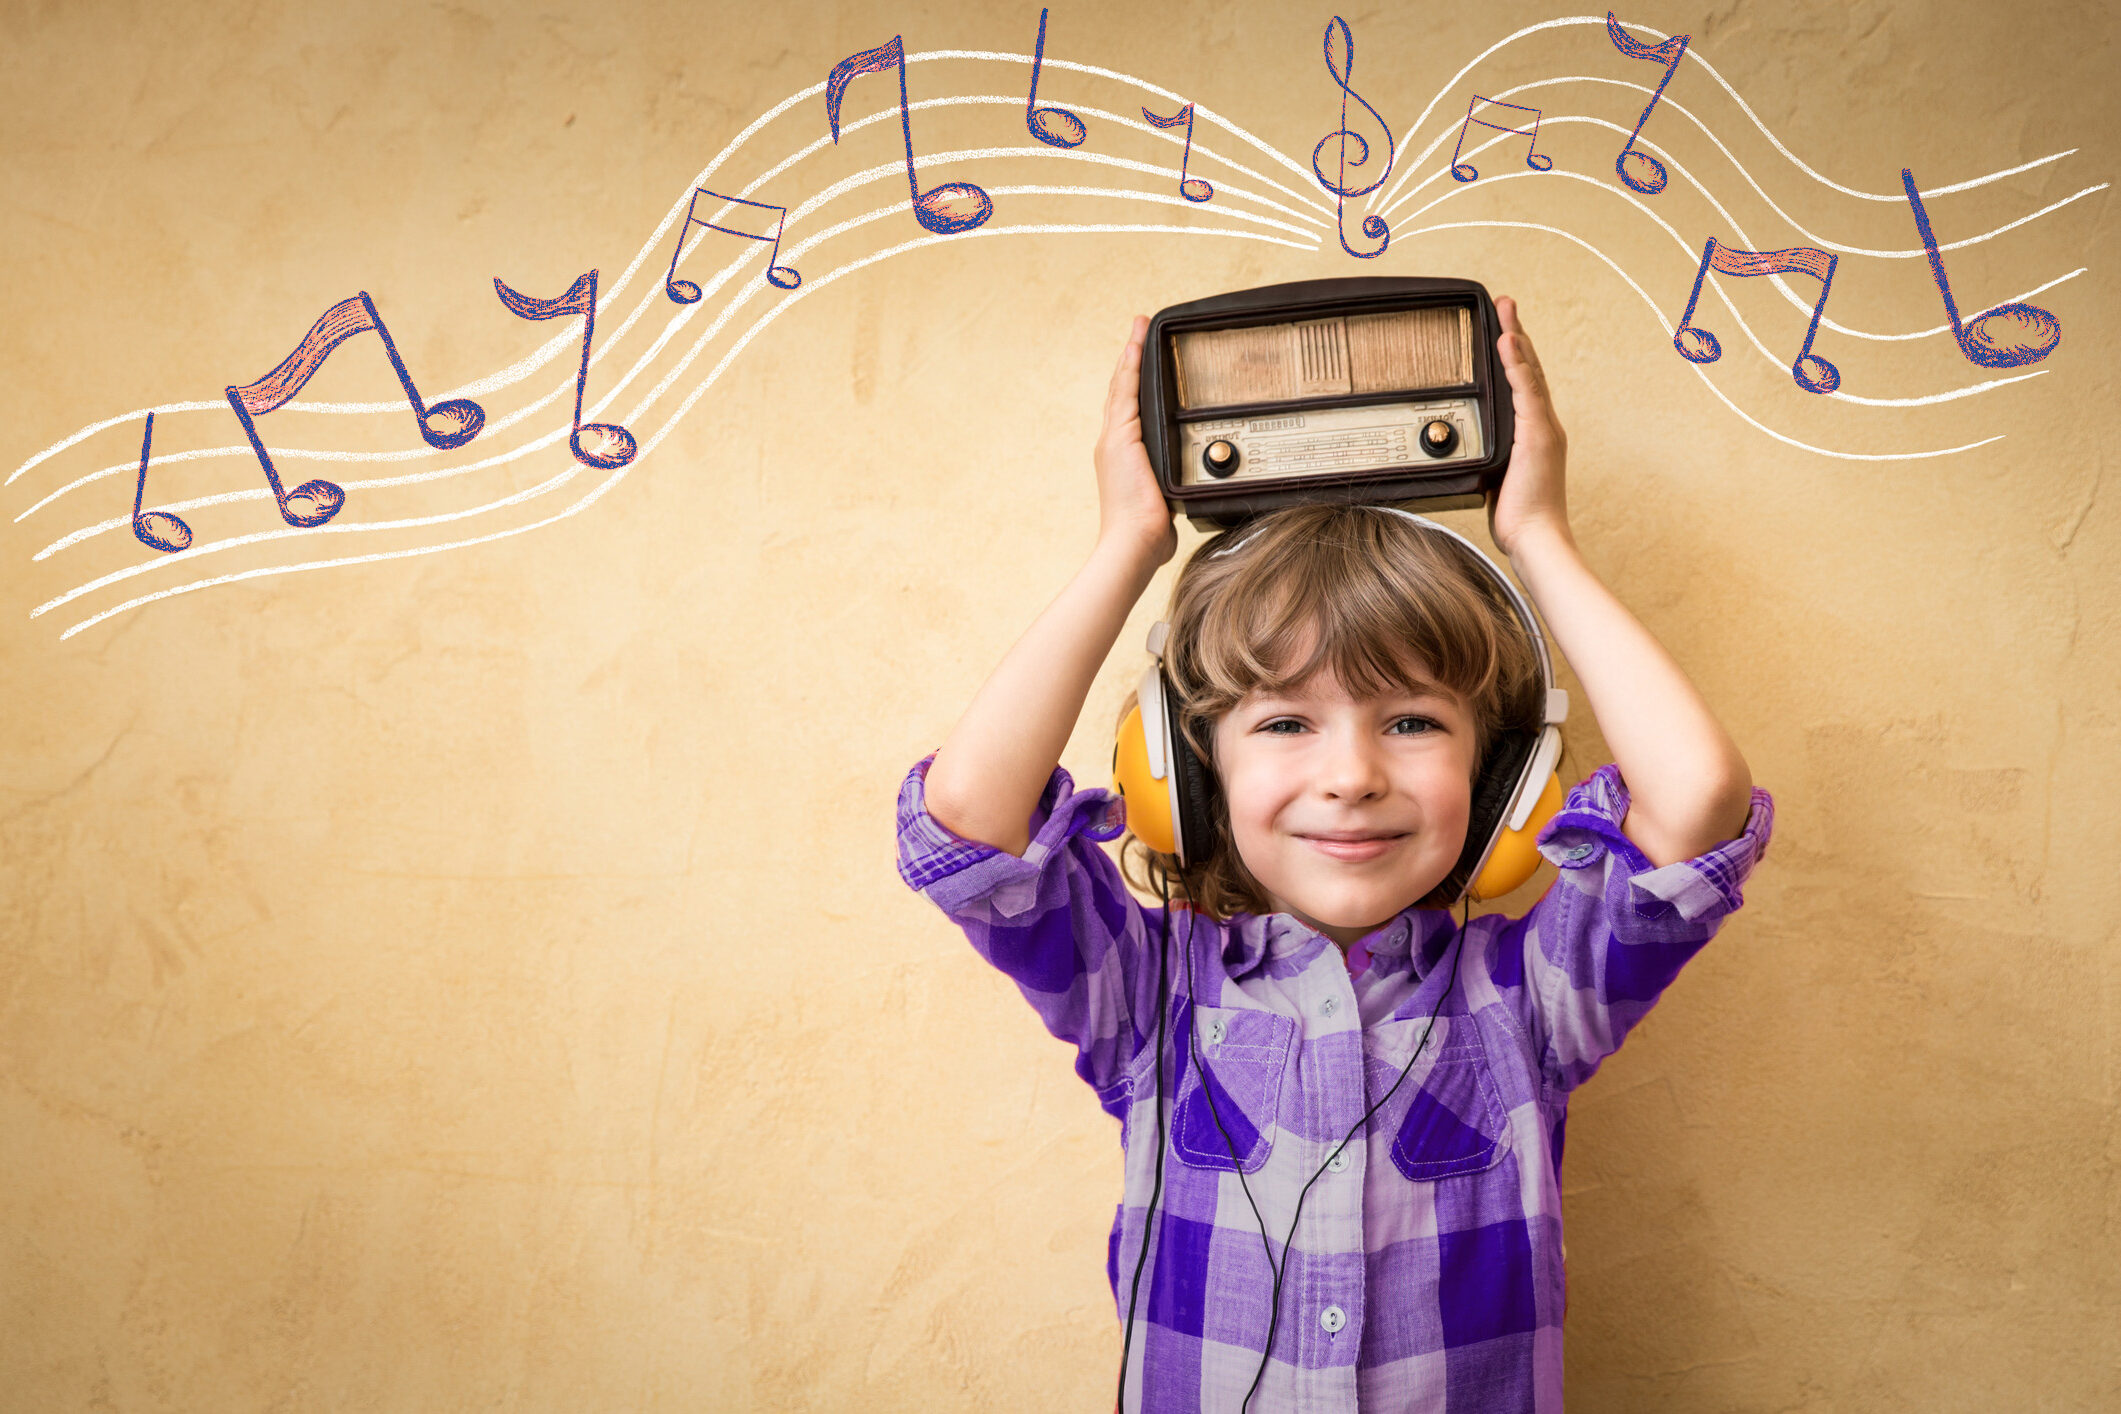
{"x": 1397, "y": 351}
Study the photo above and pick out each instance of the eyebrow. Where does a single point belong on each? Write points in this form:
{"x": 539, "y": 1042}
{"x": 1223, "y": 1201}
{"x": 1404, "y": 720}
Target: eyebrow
{"x": 1411, "y": 692}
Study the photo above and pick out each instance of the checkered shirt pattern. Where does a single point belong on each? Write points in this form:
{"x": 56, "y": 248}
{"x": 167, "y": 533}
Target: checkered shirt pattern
{"x": 1426, "y": 1274}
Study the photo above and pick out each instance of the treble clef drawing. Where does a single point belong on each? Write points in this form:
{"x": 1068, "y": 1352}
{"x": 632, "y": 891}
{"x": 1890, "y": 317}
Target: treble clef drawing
{"x": 1372, "y": 226}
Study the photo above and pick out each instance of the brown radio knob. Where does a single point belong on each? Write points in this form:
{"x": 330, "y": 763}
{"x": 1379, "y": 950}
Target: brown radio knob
{"x": 1220, "y": 457}
{"x": 1438, "y": 438}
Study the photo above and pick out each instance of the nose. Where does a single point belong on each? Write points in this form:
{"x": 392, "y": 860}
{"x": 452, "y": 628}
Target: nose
{"x": 1352, "y": 769}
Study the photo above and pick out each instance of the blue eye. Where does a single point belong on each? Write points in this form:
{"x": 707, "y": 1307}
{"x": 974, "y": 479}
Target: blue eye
{"x": 1423, "y": 723}
{"x": 1269, "y": 727}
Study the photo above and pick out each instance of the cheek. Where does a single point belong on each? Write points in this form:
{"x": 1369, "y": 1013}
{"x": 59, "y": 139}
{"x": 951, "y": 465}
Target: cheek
{"x": 1447, "y": 798}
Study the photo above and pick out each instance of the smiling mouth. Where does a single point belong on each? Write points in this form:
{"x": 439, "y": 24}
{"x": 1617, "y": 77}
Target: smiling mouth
{"x": 1366, "y": 847}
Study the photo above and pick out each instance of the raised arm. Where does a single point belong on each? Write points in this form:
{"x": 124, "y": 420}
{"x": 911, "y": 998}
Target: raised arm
{"x": 986, "y": 778}
{"x": 1689, "y": 788}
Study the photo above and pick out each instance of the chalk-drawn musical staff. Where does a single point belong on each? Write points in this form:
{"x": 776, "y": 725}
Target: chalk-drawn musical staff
{"x": 1813, "y": 373}
{"x": 2022, "y": 333}
{"x": 781, "y": 277}
{"x": 581, "y": 298}
{"x": 1533, "y": 158}
{"x": 945, "y": 209}
{"x": 1372, "y": 226}
{"x": 157, "y": 530}
{"x": 321, "y": 499}
{"x": 1191, "y": 188}
{"x": 1056, "y": 127}
{"x": 1668, "y": 54}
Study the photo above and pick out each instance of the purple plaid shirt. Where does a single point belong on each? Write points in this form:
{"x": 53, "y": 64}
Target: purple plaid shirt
{"x": 1427, "y": 1271}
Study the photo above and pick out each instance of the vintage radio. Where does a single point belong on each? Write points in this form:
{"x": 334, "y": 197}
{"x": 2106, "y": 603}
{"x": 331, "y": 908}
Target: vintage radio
{"x": 1363, "y": 390}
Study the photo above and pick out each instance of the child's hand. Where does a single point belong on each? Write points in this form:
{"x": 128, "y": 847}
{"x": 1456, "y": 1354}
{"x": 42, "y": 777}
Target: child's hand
{"x": 1533, "y": 497}
{"x": 1131, "y": 512}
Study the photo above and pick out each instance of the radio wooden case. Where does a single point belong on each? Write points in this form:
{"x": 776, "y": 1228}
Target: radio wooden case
{"x": 1360, "y": 391}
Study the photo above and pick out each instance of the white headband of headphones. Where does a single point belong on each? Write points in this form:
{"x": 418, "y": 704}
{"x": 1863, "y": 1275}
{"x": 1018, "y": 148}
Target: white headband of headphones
{"x": 1557, "y": 710}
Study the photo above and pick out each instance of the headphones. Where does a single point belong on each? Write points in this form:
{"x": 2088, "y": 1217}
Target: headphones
{"x": 1170, "y": 791}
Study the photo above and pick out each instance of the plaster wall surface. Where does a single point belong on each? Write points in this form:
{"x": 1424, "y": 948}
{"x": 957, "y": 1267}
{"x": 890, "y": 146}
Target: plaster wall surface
{"x": 480, "y": 979}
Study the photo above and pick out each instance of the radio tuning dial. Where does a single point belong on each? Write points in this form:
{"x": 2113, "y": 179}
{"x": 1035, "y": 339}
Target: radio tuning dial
{"x": 1220, "y": 457}
{"x": 1438, "y": 438}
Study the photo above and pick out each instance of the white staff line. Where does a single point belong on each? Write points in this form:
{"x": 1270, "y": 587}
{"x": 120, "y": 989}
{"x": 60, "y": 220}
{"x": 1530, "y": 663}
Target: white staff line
{"x": 821, "y": 283}
{"x": 781, "y": 307}
{"x": 1716, "y": 286}
{"x": 559, "y": 343}
{"x": 1658, "y": 314}
{"x": 1200, "y": 110}
{"x": 1912, "y": 253}
{"x": 612, "y": 343}
{"x": 1699, "y": 60}
{"x": 882, "y": 172}
{"x": 774, "y": 312}
{"x": 892, "y": 170}
{"x": 552, "y": 348}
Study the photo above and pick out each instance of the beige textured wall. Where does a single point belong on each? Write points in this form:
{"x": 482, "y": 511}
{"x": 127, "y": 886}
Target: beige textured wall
{"x": 479, "y": 979}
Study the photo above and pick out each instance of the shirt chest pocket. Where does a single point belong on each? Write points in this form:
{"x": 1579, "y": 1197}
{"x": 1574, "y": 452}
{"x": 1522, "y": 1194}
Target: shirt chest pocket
{"x": 1447, "y": 1117}
{"x": 1224, "y": 1117}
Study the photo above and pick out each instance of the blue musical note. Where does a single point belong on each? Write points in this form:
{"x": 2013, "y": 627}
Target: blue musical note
{"x": 616, "y": 446}
{"x": 321, "y": 499}
{"x": 1813, "y": 373}
{"x": 1668, "y": 54}
{"x": 781, "y": 277}
{"x": 157, "y": 530}
{"x": 1191, "y": 188}
{"x": 1533, "y": 158}
{"x": 946, "y": 209}
{"x": 1372, "y": 226}
{"x": 2035, "y": 332}
{"x": 1056, "y": 127}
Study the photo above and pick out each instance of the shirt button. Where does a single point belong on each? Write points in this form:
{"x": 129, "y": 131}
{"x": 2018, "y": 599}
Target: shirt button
{"x": 1332, "y": 1318}
{"x": 1329, "y": 1005}
{"x": 1216, "y": 1028}
{"x": 1579, "y": 852}
{"x": 1339, "y": 1160}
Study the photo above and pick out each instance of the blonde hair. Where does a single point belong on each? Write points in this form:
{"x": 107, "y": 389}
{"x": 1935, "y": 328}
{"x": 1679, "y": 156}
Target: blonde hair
{"x": 1390, "y": 601}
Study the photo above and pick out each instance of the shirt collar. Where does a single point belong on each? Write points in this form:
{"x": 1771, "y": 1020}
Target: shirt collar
{"x": 1254, "y": 939}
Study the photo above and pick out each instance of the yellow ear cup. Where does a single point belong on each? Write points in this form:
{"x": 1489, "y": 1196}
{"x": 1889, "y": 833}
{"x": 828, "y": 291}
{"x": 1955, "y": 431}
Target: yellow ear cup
{"x": 1514, "y": 856}
{"x": 1148, "y": 799}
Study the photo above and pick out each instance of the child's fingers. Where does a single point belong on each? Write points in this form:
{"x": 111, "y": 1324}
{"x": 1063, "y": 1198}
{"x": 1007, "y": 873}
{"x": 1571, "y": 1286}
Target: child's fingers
{"x": 1520, "y": 361}
{"x": 1521, "y": 368}
{"x": 1129, "y": 368}
{"x": 1123, "y": 400}
{"x": 1514, "y": 341}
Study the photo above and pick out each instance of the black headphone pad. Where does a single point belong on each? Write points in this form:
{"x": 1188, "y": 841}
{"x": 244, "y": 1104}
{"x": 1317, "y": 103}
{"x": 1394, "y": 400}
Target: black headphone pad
{"x": 1492, "y": 794}
{"x": 1196, "y": 796}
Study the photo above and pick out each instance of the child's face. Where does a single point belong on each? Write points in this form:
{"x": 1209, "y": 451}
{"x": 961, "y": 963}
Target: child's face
{"x": 1305, "y": 766}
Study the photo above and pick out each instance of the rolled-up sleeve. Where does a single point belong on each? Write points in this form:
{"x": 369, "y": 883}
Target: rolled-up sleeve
{"x": 1612, "y": 933}
{"x": 1059, "y": 921}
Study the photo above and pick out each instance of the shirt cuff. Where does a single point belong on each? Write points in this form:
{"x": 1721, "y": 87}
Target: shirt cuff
{"x": 954, "y": 872}
{"x": 1586, "y": 832}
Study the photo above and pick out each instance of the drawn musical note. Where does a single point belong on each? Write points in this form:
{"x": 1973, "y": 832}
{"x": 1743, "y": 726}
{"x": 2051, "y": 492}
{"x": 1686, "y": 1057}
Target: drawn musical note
{"x": 158, "y": 530}
{"x": 1056, "y": 127}
{"x": 1813, "y": 373}
{"x": 1668, "y": 54}
{"x": 946, "y": 209}
{"x": 1536, "y": 160}
{"x": 781, "y": 277}
{"x": 2030, "y": 333}
{"x": 1372, "y": 226}
{"x": 462, "y": 418}
{"x": 1191, "y": 188}
{"x": 581, "y": 298}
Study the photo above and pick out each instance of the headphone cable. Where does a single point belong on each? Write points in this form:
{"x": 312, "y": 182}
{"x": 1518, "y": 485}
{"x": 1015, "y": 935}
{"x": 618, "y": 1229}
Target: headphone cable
{"x": 1163, "y": 953}
{"x": 1274, "y": 1304}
